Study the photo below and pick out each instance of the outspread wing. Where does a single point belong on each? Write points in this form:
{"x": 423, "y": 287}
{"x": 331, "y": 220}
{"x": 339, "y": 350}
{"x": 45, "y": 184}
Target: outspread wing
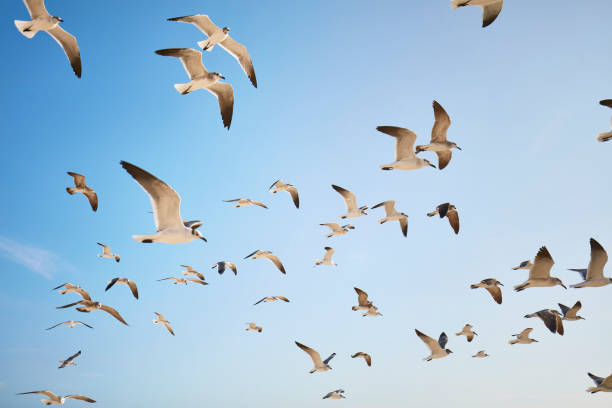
{"x": 36, "y": 8}
{"x": 490, "y": 12}
{"x": 564, "y": 309}
{"x": 349, "y": 198}
{"x": 525, "y": 333}
{"x": 404, "y": 225}
{"x": 443, "y": 340}
{"x": 79, "y": 179}
{"x": 80, "y": 397}
{"x": 495, "y": 291}
{"x": 599, "y": 258}
{"x": 453, "y": 219}
{"x": 441, "y": 124}
{"x": 314, "y": 355}
{"x": 328, "y": 359}
{"x": 133, "y": 288}
{"x": 362, "y": 297}
{"x": 597, "y": 380}
{"x": 276, "y": 262}
{"x": 241, "y": 54}
{"x": 44, "y": 392}
{"x": 69, "y": 44}
{"x": 225, "y": 95}
{"x": 542, "y": 264}
{"x": 113, "y": 313}
{"x": 404, "y": 143}
{"x": 433, "y": 345}
{"x": 190, "y": 58}
{"x": 606, "y": 102}
{"x": 201, "y": 21}
{"x": 294, "y": 196}
{"x": 329, "y": 252}
{"x": 549, "y": 319}
{"x": 444, "y": 158}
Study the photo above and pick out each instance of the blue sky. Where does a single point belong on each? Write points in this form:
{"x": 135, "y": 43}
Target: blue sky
{"x": 522, "y": 95}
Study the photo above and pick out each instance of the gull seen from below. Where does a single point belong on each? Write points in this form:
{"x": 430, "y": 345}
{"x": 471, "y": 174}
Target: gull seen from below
{"x": 70, "y": 288}
{"x": 523, "y": 337}
{"x": 405, "y": 156}
{"x": 551, "y": 318}
{"x": 70, "y": 360}
{"x": 437, "y": 348}
{"x": 481, "y": 354}
{"x": 337, "y": 229}
{"x": 269, "y": 256}
{"x": 569, "y": 314}
{"x": 243, "y": 202}
{"x": 490, "y": 8}
{"x": 87, "y": 306}
{"x": 351, "y": 203}
{"x": 391, "y": 214}
{"x": 327, "y": 258}
{"x": 593, "y": 275}
{"x": 539, "y": 274}
{"x": 161, "y": 319}
{"x": 106, "y": 253}
{"x": 467, "y": 332}
{"x": 319, "y": 365}
{"x": 81, "y": 187}
{"x": 338, "y": 394}
{"x": 222, "y": 265}
{"x": 365, "y": 356}
{"x": 601, "y": 384}
{"x": 71, "y": 324}
{"x": 183, "y": 281}
{"x": 56, "y": 399}
{"x": 280, "y": 186}
{"x": 449, "y": 211}
{"x": 254, "y": 327}
{"x": 438, "y": 142}
{"x": 271, "y": 299}
{"x": 124, "y": 281}
{"x": 492, "y": 286}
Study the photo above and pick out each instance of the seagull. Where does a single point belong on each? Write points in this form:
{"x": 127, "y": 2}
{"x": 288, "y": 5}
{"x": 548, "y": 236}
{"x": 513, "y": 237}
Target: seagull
{"x": 569, "y": 314}
{"x": 171, "y": 229}
{"x": 254, "y": 327}
{"x": 551, "y": 318}
{"x": 405, "y": 157}
{"x": 449, "y": 211}
{"x": 481, "y": 354}
{"x": 392, "y": 215}
{"x": 243, "y": 202}
{"x": 71, "y": 324}
{"x": 372, "y": 311}
{"x": 605, "y": 136}
{"x": 327, "y": 258}
{"x": 467, "y": 332}
{"x": 161, "y": 319}
{"x": 201, "y": 78}
{"x": 319, "y": 366}
{"x": 55, "y": 399}
{"x": 593, "y": 275}
{"x": 269, "y": 256}
{"x": 351, "y": 203}
{"x": 365, "y": 356}
{"x": 523, "y": 265}
{"x": 602, "y": 384}
{"x": 523, "y": 337}
{"x": 271, "y": 299}
{"x": 81, "y": 187}
{"x": 362, "y": 299}
{"x": 225, "y": 264}
{"x": 183, "y": 281}
{"x": 606, "y": 102}
{"x": 539, "y": 274}
{"x": 69, "y": 287}
{"x": 190, "y": 271}
{"x": 438, "y": 142}
{"x": 70, "y": 360}
{"x": 43, "y": 21}
{"x": 491, "y": 285}
{"x": 217, "y": 35}
{"x": 106, "y": 253}
{"x": 436, "y": 347}
{"x": 125, "y": 281}
{"x": 490, "y": 8}
{"x": 335, "y": 394}
{"x": 89, "y": 305}
{"x": 280, "y": 186}
{"x": 337, "y": 229}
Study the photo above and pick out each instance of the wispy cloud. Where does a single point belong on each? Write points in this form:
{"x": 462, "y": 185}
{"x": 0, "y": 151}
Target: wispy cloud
{"x": 38, "y": 260}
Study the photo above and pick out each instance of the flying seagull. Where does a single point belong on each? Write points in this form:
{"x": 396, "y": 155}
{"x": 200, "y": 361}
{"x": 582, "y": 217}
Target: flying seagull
{"x": 605, "y": 136}
{"x": 569, "y": 314}
{"x": 391, "y": 214}
{"x": 221, "y": 265}
{"x": 201, "y": 78}
{"x": 254, "y": 327}
{"x": 81, "y": 187}
{"x": 55, "y": 399}
{"x": 491, "y": 285}
{"x": 327, "y": 258}
{"x": 161, "y": 319}
{"x": 337, "y": 229}
{"x": 71, "y": 324}
{"x": 602, "y": 384}
{"x": 171, "y": 229}
{"x": 351, "y": 203}
{"x": 70, "y": 360}
{"x": 269, "y": 256}
{"x": 89, "y": 305}
{"x": 125, "y": 281}
{"x": 362, "y": 299}
{"x": 467, "y": 332}
{"x": 243, "y": 202}
{"x": 405, "y": 157}
{"x": 183, "y": 281}
{"x": 523, "y": 337}
{"x": 106, "y": 253}
{"x": 438, "y": 142}
{"x": 335, "y": 394}
{"x": 481, "y": 354}
{"x": 217, "y": 35}
{"x": 363, "y": 355}
{"x": 539, "y": 274}
{"x": 192, "y": 272}
{"x": 523, "y": 265}
{"x": 449, "y": 211}
{"x": 43, "y": 21}
{"x": 593, "y": 275}
{"x": 271, "y": 299}
{"x": 490, "y": 8}
{"x": 280, "y": 186}
{"x": 319, "y": 365}
{"x": 69, "y": 287}
{"x": 437, "y": 348}
{"x": 372, "y": 311}
{"x": 551, "y": 318}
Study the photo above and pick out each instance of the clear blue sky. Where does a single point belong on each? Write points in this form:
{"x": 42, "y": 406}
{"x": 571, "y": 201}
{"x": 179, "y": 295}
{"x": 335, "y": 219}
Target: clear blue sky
{"x": 522, "y": 95}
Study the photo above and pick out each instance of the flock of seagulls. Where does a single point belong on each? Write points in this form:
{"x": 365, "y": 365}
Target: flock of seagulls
{"x": 172, "y": 228}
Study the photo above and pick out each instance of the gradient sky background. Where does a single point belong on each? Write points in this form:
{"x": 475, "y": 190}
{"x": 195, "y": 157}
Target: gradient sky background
{"x": 522, "y": 95}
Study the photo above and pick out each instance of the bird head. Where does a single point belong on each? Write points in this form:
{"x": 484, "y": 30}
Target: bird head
{"x": 448, "y": 351}
{"x": 226, "y": 30}
{"x": 558, "y": 282}
{"x": 58, "y": 19}
{"x": 198, "y": 234}
{"x": 217, "y": 75}
{"x": 453, "y": 144}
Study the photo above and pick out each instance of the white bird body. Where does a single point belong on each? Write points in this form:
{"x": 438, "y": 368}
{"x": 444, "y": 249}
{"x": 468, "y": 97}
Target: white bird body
{"x": 337, "y": 229}
{"x": 372, "y": 311}
{"x": 107, "y": 253}
{"x": 161, "y": 319}
{"x": 594, "y": 274}
{"x": 216, "y": 37}
{"x": 269, "y": 256}
{"x": 437, "y": 348}
{"x": 490, "y": 8}
{"x": 319, "y": 365}
{"x": 539, "y": 273}
{"x": 363, "y": 302}
{"x": 405, "y": 156}
{"x": 350, "y": 201}
{"x": 327, "y": 258}
{"x": 523, "y": 337}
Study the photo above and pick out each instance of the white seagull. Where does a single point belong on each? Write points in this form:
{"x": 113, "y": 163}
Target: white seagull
{"x": 56, "y": 399}
{"x": 106, "y": 253}
{"x": 217, "y": 35}
{"x": 201, "y": 78}
{"x": 438, "y": 142}
{"x": 271, "y": 299}
{"x": 523, "y": 337}
{"x": 539, "y": 274}
{"x": 449, "y": 211}
{"x": 490, "y": 8}
{"x": 593, "y": 275}
{"x": 602, "y": 384}
{"x": 81, "y": 187}
{"x": 569, "y": 314}
{"x": 335, "y": 394}
{"x": 467, "y": 332}
{"x": 269, "y": 256}
{"x": 523, "y": 265}
{"x": 125, "y": 281}
{"x": 351, "y": 203}
{"x": 437, "y": 348}
{"x": 551, "y": 318}
{"x": 254, "y": 327}
{"x": 71, "y": 324}
{"x": 337, "y": 229}
{"x": 280, "y": 186}
{"x": 319, "y": 365}
{"x": 43, "y": 21}
{"x": 70, "y": 360}
{"x": 87, "y": 306}
{"x": 183, "y": 281}
{"x": 161, "y": 319}
{"x": 405, "y": 157}
{"x": 481, "y": 354}
{"x": 391, "y": 214}
{"x": 192, "y": 272}
{"x": 491, "y": 285}
{"x": 221, "y": 265}
{"x": 171, "y": 229}
{"x": 365, "y": 356}
{"x": 243, "y": 202}
{"x": 327, "y": 258}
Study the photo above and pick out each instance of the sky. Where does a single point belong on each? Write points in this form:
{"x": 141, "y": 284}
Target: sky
{"x": 522, "y": 96}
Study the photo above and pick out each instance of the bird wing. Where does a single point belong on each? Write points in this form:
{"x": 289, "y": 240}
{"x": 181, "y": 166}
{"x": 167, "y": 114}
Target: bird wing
{"x": 582, "y": 272}
{"x": 607, "y": 382}
{"x": 52, "y": 327}
{"x": 332, "y": 225}
{"x": 444, "y": 158}
{"x": 329, "y": 252}
{"x": 314, "y": 355}
{"x": 160, "y": 316}
{"x": 113, "y": 313}
{"x": 232, "y": 266}
{"x": 606, "y": 102}
{"x": 599, "y": 257}
{"x": 490, "y": 12}
{"x": 597, "y": 380}
{"x": 259, "y": 203}
{"x": 189, "y": 268}
{"x": 443, "y": 209}
{"x": 190, "y": 58}
{"x": 368, "y": 359}
{"x": 564, "y": 309}
{"x": 84, "y": 294}
{"x": 106, "y": 248}
{"x": 70, "y": 305}
{"x": 349, "y": 198}
{"x": 79, "y": 179}
{"x": 453, "y": 219}
{"x": 542, "y": 264}
{"x": 441, "y": 124}
{"x": 495, "y": 291}
{"x": 93, "y": 199}
{"x": 225, "y": 95}
{"x": 80, "y": 397}
{"x": 525, "y": 333}
{"x": 276, "y": 262}
{"x": 404, "y": 143}
{"x": 133, "y": 288}
{"x": 404, "y": 225}
{"x": 259, "y": 301}
{"x": 443, "y": 340}
{"x": 232, "y": 201}
{"x": 433, "y": 345}
{"x": 69, "y": 44}
{"x": 283, "y": 298}
{"x": 559, "y": 323}
{"x": 165, "y": 201}
{"x": 241, "y": 54}
{"x": 577, "y": 306}
{"x": 220, "y": 266}
{"x": 362, "y": 297}
{"x": 84, "y": 324}
{"x": 197, "y": 281}
{"x": 201, "y": 21}
{"x": 251, "y": 254}
{"x": 167, "y": 326}
{"x": 549, "y": 319}
{"x": 72, "y": 357}
{"x": 328, "y": 359}
{"x": 44, "y": 392}
{"x": 276, "y": 184}
{"x": 294, "y": 196}
{"x": 36, "y": 8}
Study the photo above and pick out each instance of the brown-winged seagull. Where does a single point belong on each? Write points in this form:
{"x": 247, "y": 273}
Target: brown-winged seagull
{"x": 161, "y": 319}
{"x": 481, "y": 354}
{"x": 569, "y": 314}
{"x": 337, "y": 229}
{"x": 81, "y": 187}
{"x": 437, "y": 348}
{"x": 523, "y": 337}
{"x": 490, "y": 8}
{"x": 438, "y": 142}
{"x": 337, "y": 394}
{"x": 405, "y": 156}
{"x": 391, "y": 214}
{"x": 467, "y": 332}
{"x": 87, "y": 306}
{"x": 593, "y": 275}
{"x": 56, "y": 399}
{"x": 362, "y": 300}
{"x": 221, "y": 265}
{"x": 243, "y": 202}
{"x": 269, "y": 256}
{"x": 319, "y": 365}
{"x": 327, "y": 258}
{"x": 280, "y": 186}
{"x": 551, "y": 318}
{"x": 350, "y": 201}
{"x": 449, "y": 211}
{"x": 70, "y": 360}
{"x": 492, "y": 286}
{"x": 363, "y": 355}
{"x": 601, "y": 384}
{"x": 106, "y": 253}
{"x": 124, "y": 281}
{"x": 539, "y": 274}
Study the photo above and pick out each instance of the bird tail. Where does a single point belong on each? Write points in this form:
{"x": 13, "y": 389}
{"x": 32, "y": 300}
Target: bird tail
{"x": 592, "y": 390}
{"x": 382, "y": 220}
{"x": 71, "y": 190}
{"x": 431, "y": 214}
{"x": 24, "y": 28}
{"x": 518, "y": 288}
{"x": 513, "y": 341}
{"x": 474, "y": 286}
{"x": 354, "y": 308}
{"x": 183, "y": 89}
{"x": 206, "y": 45}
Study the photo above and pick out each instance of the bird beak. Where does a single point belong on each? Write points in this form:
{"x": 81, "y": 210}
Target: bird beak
{"x": 500, "y": 284}
{"x": 564, "y": 287}
{"x": 60, "y": 20}
{"x": 458, "y": 148}
{"x": 203, "y": 239}
{"x": 222, "y": 77}
{"x": 433, "y": 165}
